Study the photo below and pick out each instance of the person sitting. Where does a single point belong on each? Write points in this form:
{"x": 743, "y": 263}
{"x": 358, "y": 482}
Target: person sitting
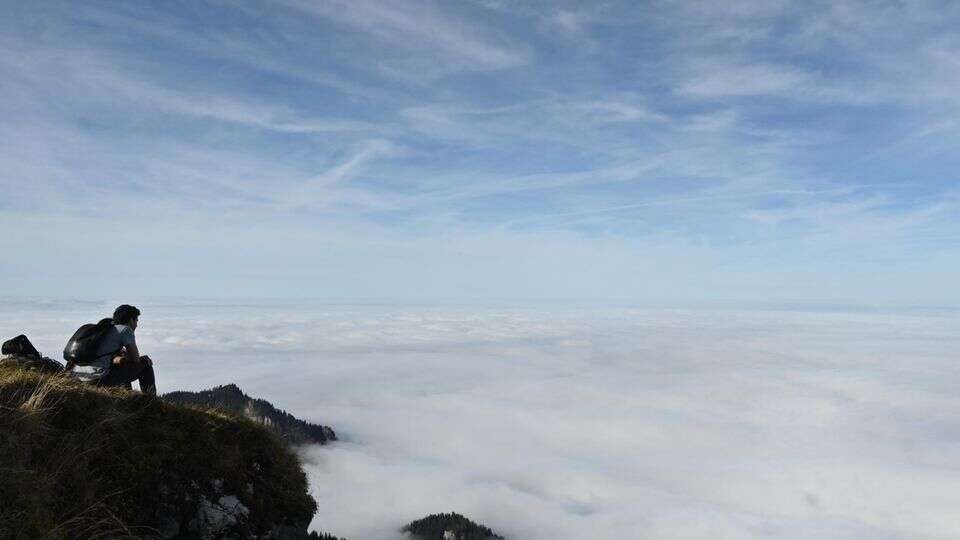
{"x": 118, "y": 361}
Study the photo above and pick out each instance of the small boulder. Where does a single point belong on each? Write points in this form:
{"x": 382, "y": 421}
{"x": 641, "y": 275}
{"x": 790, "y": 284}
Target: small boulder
{"x": 19, "y": 353}
{"x": 32, "y": 363}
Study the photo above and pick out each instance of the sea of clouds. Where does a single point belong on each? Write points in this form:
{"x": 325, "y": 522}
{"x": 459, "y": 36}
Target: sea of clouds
{"x": 554, "y": 423}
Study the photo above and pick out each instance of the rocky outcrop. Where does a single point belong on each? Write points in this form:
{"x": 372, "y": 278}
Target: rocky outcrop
{"x": 451, "y": 526}
{"x": 38, "y": 363}
{"x": 290, "y": 429}
{"x": 19, "y": 353}
{"x": 81, "y": 461}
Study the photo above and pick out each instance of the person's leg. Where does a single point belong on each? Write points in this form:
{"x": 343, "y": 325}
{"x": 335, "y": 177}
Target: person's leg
{"x": 119, "y": 375}
{"x": 126, "y": 372}
{"x": 148, "y": 381}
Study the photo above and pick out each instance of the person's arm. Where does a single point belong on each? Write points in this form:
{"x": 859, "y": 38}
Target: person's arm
{"x": 131, "y": 353}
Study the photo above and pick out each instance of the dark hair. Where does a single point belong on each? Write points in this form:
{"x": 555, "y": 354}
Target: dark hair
{"x": 125, "y": 314}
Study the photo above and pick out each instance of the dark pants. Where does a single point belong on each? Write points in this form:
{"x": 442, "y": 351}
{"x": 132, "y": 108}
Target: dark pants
{"x": 127, "y": 372}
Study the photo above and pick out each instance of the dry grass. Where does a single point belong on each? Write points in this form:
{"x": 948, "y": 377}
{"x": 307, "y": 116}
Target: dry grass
{"x": 84, "y": 462}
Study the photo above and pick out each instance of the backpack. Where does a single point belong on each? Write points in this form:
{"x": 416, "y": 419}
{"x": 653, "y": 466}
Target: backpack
{"x": 82, "y": 348}
{"x": 20, "y": 345}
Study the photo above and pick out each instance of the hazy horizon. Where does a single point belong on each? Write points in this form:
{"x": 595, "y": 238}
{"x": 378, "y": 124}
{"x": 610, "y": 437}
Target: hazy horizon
{"x": 104, "y": 302}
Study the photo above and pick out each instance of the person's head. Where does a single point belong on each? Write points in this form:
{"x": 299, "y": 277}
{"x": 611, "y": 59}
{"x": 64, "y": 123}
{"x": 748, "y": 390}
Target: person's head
{"x": 126, "y": 315}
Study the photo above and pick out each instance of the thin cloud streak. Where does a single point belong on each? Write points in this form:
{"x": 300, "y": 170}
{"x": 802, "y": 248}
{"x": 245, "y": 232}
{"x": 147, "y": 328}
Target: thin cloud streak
{"x": 405, "y": 23}
{"x": 707, "y": 197}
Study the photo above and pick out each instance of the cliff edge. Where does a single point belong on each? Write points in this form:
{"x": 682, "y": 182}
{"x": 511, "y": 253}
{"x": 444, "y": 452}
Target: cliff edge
{"x": 79, "y": 462}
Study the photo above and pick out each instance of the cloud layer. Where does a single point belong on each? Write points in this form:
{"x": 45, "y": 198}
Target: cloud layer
{"x": 589, "y": 422}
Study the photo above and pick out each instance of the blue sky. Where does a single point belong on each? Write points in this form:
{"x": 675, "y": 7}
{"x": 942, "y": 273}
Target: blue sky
{"x": 643, "y": 152}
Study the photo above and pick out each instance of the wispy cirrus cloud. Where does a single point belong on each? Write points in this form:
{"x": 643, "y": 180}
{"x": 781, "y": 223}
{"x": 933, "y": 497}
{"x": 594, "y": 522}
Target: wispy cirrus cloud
{"x": 730, "y": 126}
{"x": 331, "y": 187}
{"x": 421, "y": 25}
{"x": 94, "y": 79}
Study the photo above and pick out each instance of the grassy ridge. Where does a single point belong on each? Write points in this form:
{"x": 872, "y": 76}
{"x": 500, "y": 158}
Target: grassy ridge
{"x": 78, "y": 461}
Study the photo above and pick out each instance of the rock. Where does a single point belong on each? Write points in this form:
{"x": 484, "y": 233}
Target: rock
{"x": 291, "y": 430}
{"x": 33, "y": 363}
{"x": 215, "y": 518}
{"x": 20, "y": 353}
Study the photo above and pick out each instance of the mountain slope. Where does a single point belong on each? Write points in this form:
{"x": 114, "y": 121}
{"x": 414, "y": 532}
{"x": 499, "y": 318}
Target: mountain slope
{"x": 230, "y": 398}
{"x": 78, "y": 462}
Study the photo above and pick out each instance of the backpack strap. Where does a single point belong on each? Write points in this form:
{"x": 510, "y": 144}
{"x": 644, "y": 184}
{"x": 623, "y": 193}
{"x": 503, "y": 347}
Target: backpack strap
{"x": 111, "y": 354}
